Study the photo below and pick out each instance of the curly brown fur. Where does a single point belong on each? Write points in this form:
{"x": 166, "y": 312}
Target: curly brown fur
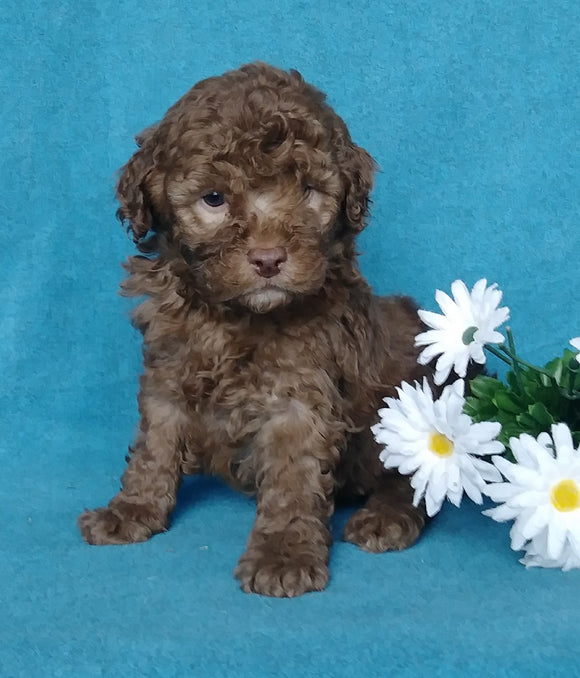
{"x": 266, "y": 355}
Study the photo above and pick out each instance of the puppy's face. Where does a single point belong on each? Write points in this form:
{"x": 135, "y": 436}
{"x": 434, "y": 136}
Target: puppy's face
{"x": 257, "y": 182}
{"x": 254, "y": 239}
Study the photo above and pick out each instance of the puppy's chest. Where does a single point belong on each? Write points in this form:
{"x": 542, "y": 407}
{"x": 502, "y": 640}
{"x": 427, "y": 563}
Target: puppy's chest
{"x": 251, "y": 370}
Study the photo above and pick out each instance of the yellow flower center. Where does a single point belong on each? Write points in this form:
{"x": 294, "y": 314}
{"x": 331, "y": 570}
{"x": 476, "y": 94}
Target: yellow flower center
{"x": 565, "y": 496}
{"x": 440, "y": 445}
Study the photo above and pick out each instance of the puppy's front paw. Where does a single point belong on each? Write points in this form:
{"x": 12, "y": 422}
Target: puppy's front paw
{"x": 263, "y": 570}
{"x": 123, "y": 523}
{"x": 391, "y": 529}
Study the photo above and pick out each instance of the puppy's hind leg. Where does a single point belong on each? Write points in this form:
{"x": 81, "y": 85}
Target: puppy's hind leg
{"x": 388, "y": 521}
{"x": 149, "y": 484}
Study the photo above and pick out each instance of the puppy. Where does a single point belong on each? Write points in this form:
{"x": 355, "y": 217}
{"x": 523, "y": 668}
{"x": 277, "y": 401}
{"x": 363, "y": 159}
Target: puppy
{"x": 265, "y": 354}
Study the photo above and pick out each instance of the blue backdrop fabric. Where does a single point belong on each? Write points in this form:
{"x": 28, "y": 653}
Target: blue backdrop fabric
{"x": 472, "y": 110}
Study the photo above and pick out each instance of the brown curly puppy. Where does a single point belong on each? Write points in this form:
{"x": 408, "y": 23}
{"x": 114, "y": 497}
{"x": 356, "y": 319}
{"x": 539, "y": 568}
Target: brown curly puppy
{"x": 266, "y": 355}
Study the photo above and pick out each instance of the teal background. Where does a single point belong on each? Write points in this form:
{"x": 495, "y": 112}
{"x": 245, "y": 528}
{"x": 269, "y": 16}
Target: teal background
{"x": 472, "y": 110}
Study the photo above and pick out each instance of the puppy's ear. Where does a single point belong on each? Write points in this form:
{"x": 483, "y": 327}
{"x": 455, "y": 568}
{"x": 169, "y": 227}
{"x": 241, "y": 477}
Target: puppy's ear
{"x": 135, "y": 210}
{"x": 358, "y": 174}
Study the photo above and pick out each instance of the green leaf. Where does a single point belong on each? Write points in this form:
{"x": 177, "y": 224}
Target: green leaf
{"x": 485, "y": 387}
{"x": 568, "y": 355}
{"x": 539, "y": 412}
{"x": 480, "y": 410}
{"x": 556, "y": 369}
{"x": 531, "y": 390}
{"x": 509, "y": 431}
{"x": 552, "y": 401}
{"x": 512, "y": 380}
{"x": 530, "y": 403}
{"x": 508, "y": 402}
{"x": 528, "y": 424}
{"x": 472, "y": 408}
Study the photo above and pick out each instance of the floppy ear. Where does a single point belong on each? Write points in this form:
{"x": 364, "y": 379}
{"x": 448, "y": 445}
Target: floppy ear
{"x": 134, "y": 202}
{"x": 358, "y": 173}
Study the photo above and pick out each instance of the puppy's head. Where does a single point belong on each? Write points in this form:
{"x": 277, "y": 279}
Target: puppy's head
{"x": 256, "y": 183}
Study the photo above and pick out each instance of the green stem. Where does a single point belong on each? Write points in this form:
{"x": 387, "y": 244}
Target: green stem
{"x": 512, "y": 359}
{"x": 498, "y": 354}
{"x": 516, "y": 367}
{"x": 515, "y": 359}
{"x": 572, "y": 371}
{"x": 508, "y": 355}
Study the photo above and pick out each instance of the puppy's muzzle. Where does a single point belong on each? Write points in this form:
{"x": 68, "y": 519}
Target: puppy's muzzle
{"x": 267, "y": 262}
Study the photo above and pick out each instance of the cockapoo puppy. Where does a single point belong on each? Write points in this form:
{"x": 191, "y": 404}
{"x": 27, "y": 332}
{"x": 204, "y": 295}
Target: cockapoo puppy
{"x": 266, "y": 355}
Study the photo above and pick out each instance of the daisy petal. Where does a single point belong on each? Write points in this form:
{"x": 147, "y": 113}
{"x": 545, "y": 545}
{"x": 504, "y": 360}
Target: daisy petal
{"x": 436, "y": 442}
{"x": 477, "y": 311}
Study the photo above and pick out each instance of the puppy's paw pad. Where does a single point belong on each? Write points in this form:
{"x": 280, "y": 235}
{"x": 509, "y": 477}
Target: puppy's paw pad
{"x": 116, "y": 525}
{"x": 394, "y": 529}
{"x": 280, "y": 576}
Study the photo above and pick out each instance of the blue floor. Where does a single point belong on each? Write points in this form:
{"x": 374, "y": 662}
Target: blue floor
{"x": 472, "y": 110}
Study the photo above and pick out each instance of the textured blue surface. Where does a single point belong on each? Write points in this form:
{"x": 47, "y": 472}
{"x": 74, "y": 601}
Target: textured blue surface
{"x": 472, "y": 109}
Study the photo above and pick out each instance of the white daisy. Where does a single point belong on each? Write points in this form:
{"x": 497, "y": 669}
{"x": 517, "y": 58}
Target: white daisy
{"x": 469, "y": 321}
{"x": 536, "y": 556}
{"x": 576, "y": 344}
{"x": 438, "y": 444}
{"x": 542, "y": 493}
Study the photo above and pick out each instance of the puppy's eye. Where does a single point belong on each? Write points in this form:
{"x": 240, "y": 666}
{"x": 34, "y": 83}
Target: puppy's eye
{"x": 214, "y": 199}
{"x": 311, "y": 195}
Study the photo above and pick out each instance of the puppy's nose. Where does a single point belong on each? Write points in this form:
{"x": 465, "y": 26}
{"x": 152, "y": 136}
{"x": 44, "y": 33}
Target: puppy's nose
{"x": 267, "y": 261}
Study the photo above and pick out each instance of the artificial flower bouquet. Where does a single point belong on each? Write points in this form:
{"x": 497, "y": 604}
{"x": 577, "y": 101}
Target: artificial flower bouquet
{"x": 518, "y": 441}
